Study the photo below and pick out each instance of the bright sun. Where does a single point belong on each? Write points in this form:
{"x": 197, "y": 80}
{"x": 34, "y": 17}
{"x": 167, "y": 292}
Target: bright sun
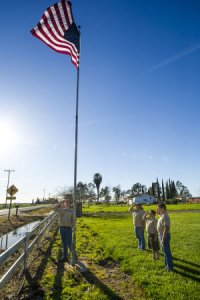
{"x": 9, "y": 137}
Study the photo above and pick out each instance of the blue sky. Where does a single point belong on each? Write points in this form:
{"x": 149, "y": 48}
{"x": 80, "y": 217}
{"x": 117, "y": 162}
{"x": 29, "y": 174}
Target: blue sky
{"x": 139, "y": 96}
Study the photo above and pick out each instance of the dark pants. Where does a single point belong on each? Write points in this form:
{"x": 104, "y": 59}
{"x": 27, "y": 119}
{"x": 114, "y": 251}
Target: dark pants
{"x": 139, "y": 232}
{"x": 66, "y": 237}
{"x": 153, "y": 242}
{"x": 167, "y": 253}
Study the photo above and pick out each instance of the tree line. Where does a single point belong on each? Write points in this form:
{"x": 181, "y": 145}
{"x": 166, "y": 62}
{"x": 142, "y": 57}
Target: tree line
{"x": 93, "y": 191}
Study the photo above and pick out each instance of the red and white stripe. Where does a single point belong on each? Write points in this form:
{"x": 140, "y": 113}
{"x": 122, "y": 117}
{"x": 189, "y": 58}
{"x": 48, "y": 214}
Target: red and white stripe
{"x": 55, "y": 21}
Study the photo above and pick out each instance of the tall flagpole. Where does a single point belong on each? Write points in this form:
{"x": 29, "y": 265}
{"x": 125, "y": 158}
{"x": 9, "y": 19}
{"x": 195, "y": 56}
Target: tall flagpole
{"x": 75, "y": 163}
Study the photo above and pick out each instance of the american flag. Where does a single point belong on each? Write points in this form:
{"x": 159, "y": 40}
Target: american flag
{"x": 58, "y": 30}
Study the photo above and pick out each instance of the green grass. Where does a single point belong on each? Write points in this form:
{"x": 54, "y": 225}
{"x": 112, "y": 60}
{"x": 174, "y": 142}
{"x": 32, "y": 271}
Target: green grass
{"x": 116, "y": 233}
{"x": 60, "y": 283}
{"x": 124, "y": 207}
{"x": 109, "y": 236}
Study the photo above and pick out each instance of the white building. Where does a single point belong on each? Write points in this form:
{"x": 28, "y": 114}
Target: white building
{"x": 142, "y": 199}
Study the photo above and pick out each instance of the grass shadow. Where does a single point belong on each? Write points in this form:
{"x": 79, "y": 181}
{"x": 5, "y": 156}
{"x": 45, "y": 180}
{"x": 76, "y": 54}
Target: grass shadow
{"x": 189, "y": 270}
{"x": 33, "y": 281}
{"x": 92, "y": 279}
{"x": 187, "y": 275}
{"x": 187, "y": 262}
{"x": 57, "y": 286}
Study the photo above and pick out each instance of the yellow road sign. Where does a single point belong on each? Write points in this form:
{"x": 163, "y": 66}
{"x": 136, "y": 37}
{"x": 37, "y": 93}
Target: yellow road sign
{"x": 12, "y": 190}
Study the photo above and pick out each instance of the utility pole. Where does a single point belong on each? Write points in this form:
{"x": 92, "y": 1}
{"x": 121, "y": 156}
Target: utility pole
{"x": 9, "y": 171}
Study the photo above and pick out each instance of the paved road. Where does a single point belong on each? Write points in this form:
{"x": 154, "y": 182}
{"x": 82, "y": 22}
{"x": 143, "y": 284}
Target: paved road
{"x": 4, "y": 212}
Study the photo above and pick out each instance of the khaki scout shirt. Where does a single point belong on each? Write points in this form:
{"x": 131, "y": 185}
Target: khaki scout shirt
{"x": 163, "y": 221}
{"x": 137, "y": 218}
{"x": 65, "y": 216}
{"x": 151, "y": 225}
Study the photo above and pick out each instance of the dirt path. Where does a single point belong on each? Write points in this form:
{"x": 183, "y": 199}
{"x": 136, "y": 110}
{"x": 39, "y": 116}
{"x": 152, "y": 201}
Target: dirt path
{"x": 109, "y": 275}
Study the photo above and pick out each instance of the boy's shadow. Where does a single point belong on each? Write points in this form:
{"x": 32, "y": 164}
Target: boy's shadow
{"x": 187, "y": 269}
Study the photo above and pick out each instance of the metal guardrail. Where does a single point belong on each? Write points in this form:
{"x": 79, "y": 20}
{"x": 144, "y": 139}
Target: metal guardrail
{"x": 39, "y": 230}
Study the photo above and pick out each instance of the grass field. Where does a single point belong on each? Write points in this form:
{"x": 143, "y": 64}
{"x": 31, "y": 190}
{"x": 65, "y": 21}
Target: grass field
{"x": 105, "y": 239}
{"x": 116, "y": 232}
{"x": 124, "y": 207}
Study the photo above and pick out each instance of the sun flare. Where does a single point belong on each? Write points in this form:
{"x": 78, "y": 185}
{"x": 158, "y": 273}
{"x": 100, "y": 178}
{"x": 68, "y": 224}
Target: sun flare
{"x": 9, "y": 137}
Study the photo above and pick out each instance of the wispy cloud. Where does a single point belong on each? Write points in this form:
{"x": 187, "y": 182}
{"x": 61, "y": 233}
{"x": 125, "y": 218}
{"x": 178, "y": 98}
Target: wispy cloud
{"x": 173, "y": 58}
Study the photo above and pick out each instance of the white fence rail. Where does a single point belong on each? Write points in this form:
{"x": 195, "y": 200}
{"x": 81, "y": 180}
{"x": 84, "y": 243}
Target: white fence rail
{"x": 39, "y": 230}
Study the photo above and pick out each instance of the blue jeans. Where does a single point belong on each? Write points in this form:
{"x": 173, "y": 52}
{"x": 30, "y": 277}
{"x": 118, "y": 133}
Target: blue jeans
{"x": 167, "y": 253}
{"x": 139, "y": 232}
{"x": 66, "y": 237}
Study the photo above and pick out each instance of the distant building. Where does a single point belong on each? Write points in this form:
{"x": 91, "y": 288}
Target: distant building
{"x": 194, "y": 199}
{"x": 142, "y": 199}
{"x": 181, "y": 199}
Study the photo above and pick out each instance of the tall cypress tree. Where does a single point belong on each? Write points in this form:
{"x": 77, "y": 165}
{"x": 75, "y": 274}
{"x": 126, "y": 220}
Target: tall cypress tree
{"x": 173, "y": 190}
{"x": 170, "y": 189}
{"x": 153, "y": 189}
{"x": 158, "y": 189}
{"x": 163, "y": 192}
{"x": 167, "y": 190}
